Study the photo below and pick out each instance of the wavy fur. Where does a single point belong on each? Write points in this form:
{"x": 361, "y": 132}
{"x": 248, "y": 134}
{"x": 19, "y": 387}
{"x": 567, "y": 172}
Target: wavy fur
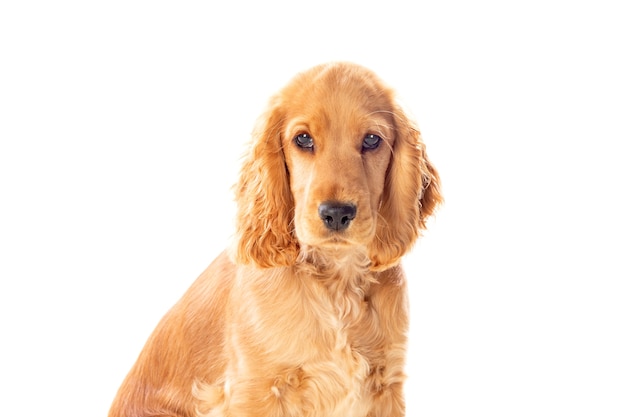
{"x": 302, "y": 319}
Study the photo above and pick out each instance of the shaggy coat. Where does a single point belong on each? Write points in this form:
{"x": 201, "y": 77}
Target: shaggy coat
{"x": 307, "y": 314}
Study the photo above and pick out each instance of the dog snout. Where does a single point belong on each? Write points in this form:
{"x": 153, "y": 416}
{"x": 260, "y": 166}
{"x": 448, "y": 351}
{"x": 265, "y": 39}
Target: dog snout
{"x": 337, "y": 215}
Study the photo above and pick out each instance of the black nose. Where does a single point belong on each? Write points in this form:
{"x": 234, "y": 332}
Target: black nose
{"x": 336, "y": 215}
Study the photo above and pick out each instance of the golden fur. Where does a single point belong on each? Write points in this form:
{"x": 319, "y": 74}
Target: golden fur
{"x": 302, "y": 319}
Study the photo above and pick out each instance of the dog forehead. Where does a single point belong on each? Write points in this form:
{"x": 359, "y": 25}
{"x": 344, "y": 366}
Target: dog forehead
{"x": 342, "y": 93}
{"x": 336, "y": 82}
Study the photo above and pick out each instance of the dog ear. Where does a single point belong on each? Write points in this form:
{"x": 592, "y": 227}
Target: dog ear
{"x": 265, "y": 203}
{"x": 412, "y": 193}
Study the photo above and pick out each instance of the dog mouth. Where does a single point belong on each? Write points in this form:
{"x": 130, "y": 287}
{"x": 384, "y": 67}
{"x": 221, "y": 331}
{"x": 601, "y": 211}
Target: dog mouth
{"x": 337, "y": 239}
{"x": 334, "y": 239}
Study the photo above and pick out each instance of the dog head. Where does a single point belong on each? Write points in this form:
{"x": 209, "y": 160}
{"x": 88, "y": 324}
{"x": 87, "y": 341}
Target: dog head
{"x": 334, "y": 163}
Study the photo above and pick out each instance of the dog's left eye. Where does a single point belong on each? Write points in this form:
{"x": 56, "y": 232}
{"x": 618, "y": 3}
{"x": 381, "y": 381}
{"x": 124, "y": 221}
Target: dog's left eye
{"x": 371, "y": 141}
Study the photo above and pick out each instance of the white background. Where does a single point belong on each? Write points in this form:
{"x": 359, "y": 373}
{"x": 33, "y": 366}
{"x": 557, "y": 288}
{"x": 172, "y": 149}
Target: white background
{"x": 121, "y": 127}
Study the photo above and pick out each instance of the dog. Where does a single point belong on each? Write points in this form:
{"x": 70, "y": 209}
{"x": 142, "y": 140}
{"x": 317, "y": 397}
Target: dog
{"x": 306, "y": 315}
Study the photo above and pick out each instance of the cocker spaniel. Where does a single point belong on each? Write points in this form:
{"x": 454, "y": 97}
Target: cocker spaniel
{"x": 307, "y": 315}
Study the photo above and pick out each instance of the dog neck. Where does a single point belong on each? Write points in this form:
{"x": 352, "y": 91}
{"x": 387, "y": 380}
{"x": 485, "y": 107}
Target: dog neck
{"x": 344, "y": 272}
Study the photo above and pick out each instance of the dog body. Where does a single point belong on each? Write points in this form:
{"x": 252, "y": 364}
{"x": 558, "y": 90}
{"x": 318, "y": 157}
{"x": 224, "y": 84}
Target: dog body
{"x": 307, "y": 315}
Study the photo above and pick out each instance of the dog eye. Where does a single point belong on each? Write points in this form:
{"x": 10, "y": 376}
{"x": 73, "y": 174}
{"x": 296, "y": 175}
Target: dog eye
{"x": 304, "y": 140}
{"x": 371, "y": 141}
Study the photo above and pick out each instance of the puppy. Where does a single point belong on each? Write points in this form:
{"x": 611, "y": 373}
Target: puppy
{"x": 306, "y": 315}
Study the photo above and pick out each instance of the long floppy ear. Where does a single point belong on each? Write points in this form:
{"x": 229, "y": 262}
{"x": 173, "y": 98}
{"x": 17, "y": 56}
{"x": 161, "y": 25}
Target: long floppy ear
{"x": 412, "y": 193}
{"x": 265, "y": 203}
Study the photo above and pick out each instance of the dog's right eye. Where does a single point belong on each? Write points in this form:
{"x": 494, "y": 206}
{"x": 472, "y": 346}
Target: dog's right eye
{"x": 304, "y": 140}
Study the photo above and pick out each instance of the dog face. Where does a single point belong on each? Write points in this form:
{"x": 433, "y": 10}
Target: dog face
{"x": 335, "y": 163}
{"x": 337, "y": 141}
